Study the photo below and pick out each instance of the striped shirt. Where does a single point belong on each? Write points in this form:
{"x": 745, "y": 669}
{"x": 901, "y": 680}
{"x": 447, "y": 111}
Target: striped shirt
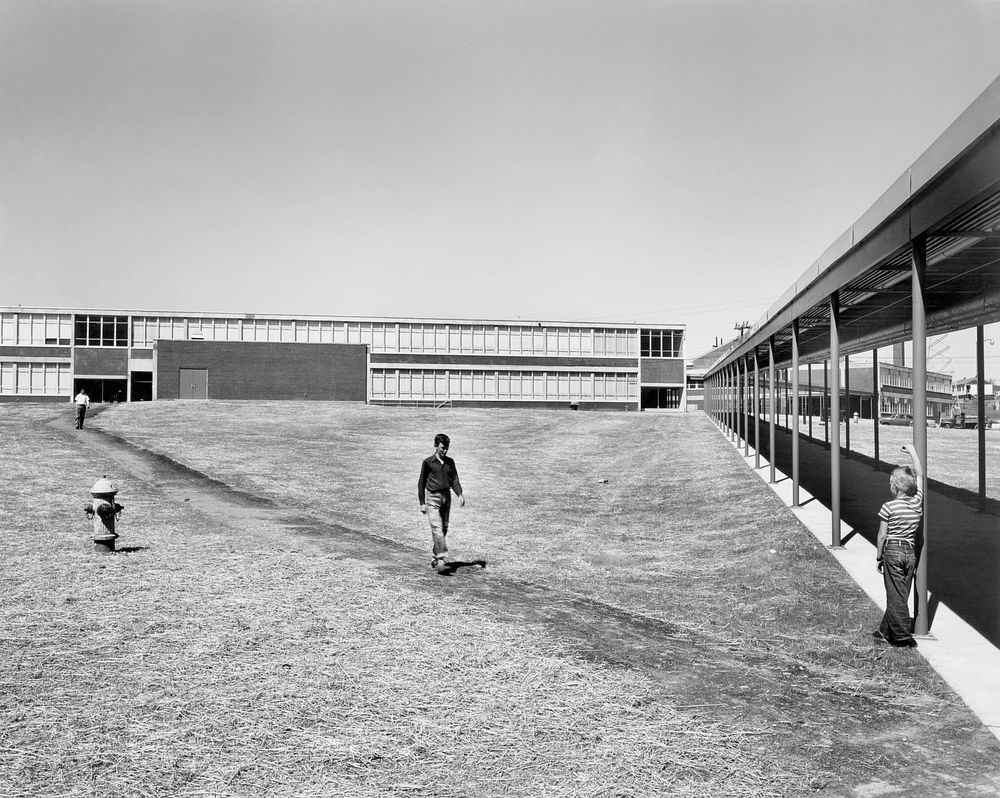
{"x": 903, "y": 516}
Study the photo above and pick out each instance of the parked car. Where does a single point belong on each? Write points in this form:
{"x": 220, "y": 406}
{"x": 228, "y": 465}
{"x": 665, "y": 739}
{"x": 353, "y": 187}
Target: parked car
{"x": 897, "y": 420}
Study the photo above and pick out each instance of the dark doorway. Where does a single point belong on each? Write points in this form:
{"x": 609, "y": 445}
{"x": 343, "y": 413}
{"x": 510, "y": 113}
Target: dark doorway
{"x": 142, "y": 386}
{"x": 661, "y": 398}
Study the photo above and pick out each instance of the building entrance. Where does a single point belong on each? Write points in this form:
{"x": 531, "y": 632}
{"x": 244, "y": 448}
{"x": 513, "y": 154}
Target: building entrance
{"x": 142, "y": 386}
{"x": 193, "y": 384}
{"x": 661, "y": 398}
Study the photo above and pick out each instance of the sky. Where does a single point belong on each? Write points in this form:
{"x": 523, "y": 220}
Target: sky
{"x": 652, "y": 161}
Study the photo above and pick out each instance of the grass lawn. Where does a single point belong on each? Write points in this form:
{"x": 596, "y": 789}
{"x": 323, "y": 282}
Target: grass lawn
{"x": 232, "y": 658}
{"x": 952, "y": 454}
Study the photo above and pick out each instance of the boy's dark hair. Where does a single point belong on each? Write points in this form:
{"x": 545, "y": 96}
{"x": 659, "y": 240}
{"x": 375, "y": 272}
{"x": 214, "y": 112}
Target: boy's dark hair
{"x": 442, "y": 438}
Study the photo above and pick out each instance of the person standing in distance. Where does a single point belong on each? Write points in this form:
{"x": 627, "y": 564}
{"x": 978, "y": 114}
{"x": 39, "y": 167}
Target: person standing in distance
{"x": 896, "y": 549}
{"x": 82, "y": 402}
{"x": 438, "y": 478}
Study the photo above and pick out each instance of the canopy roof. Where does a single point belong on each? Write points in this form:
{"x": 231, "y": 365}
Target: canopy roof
{"x": 951, "y": 196}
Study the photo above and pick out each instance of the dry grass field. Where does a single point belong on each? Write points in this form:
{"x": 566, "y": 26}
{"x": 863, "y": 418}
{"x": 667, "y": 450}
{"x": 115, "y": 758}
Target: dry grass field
{"x": 652, "y": 620}
{"x": 952, "y": 454}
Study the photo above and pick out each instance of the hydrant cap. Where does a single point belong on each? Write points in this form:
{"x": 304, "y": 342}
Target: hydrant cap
{"x": 103, "y": 485}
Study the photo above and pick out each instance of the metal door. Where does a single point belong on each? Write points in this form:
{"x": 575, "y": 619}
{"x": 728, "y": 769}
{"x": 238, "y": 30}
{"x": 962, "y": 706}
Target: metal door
{"x": 193, "y": 384}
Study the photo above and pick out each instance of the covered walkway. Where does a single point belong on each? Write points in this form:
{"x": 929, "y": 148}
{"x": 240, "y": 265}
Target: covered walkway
{"x": 925, "y": 258}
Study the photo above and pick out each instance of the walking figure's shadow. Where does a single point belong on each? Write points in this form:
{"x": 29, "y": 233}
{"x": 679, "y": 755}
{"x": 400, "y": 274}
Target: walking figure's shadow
{"x": 455, "y": 565}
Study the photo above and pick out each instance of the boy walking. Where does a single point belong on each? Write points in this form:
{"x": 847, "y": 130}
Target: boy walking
{"x": 896, "y": 549}
{"x": 438, "y": 478}
{"x": 82, "y": 402}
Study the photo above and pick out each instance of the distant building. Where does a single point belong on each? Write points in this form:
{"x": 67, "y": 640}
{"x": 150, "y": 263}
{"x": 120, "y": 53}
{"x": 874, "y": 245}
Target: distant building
{"x": 50, "y": 353}
{"x": 970, "y": 387}
{"x": 895, "y": 390}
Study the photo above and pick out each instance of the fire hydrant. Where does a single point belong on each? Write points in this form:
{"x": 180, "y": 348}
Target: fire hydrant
{"x": 104, "y": 510}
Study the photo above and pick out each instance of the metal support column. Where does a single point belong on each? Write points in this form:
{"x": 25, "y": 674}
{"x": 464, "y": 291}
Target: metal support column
{"x": 732, "y": 402}
{"x": 919, "y": 302}
{"x": 740, "y": 429}
{"x": 876, "y": 401}
{"x": 809, "y": 401}
{"x": 795, "y": 413}
{"x": 981, "y": 410}
{"x": 847, "y": 402}
{"x": 785, "y": 372}
{"x": 826, "y": 402}
{"x": 835, "y": 417}
{"x": 756, "y": 407}
{"x": 746, "y": 406}
{"x": 774, "y": 406}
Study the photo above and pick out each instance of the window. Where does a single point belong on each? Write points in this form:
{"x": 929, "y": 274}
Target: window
{"x": 660, "y": 343}
{"x": 37, "y": 379}
{"x": 101, "y": 330}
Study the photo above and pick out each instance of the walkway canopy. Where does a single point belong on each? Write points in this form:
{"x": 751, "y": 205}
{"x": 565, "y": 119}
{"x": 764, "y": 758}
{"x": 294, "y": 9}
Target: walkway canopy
{"x": 925, "y": 258}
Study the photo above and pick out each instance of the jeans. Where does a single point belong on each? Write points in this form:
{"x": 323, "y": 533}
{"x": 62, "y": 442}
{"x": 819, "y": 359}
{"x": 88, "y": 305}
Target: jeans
{"x": 899, "y": 563}
{"x": 438, "y": 509}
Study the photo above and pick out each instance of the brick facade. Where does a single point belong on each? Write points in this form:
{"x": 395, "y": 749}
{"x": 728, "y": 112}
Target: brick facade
{"x": 246, "y": 370}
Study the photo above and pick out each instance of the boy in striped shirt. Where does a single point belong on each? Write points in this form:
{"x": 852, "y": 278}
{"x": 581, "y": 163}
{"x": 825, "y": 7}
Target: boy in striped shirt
{"x": 896, "y": 549}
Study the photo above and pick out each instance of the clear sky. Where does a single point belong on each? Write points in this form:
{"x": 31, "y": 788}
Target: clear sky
{"x": 662, "y": 161}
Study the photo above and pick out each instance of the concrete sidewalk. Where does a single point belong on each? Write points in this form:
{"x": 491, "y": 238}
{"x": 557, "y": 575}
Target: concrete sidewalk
{"x": 964, "y": 657}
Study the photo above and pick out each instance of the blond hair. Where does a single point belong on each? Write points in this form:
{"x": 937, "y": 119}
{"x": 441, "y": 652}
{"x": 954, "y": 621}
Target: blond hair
{"x": 903, "y": 481}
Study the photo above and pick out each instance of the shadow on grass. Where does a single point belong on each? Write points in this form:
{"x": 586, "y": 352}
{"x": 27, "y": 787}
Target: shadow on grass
{"x": 456, "y": 565}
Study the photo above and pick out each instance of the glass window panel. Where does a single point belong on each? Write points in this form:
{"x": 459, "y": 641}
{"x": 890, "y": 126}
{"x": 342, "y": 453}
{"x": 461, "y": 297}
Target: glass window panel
{"x": 7, "y": 381}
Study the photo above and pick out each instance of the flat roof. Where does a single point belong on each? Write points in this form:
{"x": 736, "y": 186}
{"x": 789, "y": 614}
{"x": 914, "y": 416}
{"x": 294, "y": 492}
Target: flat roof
{"x": 306, "y": 317}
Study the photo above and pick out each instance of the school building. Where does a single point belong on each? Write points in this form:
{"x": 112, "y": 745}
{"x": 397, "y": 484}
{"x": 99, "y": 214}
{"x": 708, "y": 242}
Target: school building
{"x": 49, "y": 354}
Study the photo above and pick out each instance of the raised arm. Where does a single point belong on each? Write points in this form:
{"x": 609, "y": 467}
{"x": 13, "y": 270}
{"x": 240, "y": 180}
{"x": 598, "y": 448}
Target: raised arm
{"x": 918, "y": 467}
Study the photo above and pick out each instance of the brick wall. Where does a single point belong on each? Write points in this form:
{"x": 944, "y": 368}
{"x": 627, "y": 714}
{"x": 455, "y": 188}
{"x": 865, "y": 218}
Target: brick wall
{"x": 655, "y": 370}
{"x": 100, "y": 361}
{"x": 250, "y": 370}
